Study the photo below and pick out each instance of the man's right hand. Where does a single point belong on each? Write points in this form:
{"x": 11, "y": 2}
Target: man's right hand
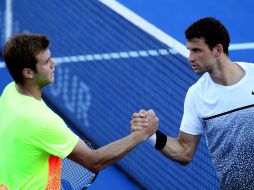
{"x": 145, "y": 121}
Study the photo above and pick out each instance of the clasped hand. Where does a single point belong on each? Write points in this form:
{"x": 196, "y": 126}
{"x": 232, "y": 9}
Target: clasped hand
{"x": 144, "y": 120}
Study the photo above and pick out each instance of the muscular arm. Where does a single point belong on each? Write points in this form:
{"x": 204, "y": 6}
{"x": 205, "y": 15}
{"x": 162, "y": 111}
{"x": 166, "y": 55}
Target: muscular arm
{"x": 96, "y": 160}
{"x": 181, "y": 149}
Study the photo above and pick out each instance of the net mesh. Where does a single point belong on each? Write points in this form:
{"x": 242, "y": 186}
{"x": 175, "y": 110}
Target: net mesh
{"x": 75, "y": 176}
{"x": 109, "y": 68}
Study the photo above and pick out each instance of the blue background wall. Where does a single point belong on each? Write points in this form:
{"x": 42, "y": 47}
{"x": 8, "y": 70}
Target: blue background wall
{"x": 173, "y": 17}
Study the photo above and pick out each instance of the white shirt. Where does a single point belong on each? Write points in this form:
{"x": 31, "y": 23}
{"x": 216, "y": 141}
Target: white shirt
{"x": 206, "y": 99}
{"x": 226, "y": 115}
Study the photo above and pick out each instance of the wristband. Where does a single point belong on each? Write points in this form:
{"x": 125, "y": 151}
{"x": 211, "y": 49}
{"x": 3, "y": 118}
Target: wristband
{"x": 161, "y": 140}
{"x": 158, "y": 140}
{"x": 152, "y": 140}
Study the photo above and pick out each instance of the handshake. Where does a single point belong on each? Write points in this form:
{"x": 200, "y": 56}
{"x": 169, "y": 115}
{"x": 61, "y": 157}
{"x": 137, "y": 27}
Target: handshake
{"x": 146, "y": 122}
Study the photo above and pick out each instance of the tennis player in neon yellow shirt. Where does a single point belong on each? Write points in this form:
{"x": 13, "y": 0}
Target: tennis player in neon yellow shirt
{"x": 33, "y": 139}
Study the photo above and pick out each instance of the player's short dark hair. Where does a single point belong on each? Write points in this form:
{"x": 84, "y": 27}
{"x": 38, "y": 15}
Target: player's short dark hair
{"x": 20, "y": 52}
{"x": 211, "y": 30}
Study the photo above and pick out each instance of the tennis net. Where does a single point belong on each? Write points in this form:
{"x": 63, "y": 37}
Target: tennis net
{"x": 108, "y": 68}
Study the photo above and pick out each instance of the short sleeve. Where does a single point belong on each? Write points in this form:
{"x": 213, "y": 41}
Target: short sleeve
{"x": 191, "y": 121}
{"x": 56, "y": 138}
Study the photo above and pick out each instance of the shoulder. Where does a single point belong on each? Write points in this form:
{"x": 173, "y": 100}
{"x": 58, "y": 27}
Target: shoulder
{"x": 38, "y": 115}
{"x": 246, "y": 65}
{"x": 46, "y": 114}
{"x": 201, "y": 85}
{"x": 248, "y": 68}
{"x": 9, "y": 89}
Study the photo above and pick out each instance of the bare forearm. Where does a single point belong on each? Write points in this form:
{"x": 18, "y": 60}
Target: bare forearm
{"x": 181, "y": 149}
{"x": 96, "y": 160}
{"x": 111, "y": 153}
{"x": 177, "y": 151}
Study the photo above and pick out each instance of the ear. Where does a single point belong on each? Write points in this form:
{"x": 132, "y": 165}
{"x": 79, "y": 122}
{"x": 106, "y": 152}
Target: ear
{"x": 28, "y": 73}
{"x": 218, "y": 50}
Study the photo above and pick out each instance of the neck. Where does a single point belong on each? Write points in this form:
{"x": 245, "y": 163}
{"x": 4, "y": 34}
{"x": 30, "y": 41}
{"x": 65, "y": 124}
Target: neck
{"x": 29, "y": 90}
{"x": 227, "y": 73}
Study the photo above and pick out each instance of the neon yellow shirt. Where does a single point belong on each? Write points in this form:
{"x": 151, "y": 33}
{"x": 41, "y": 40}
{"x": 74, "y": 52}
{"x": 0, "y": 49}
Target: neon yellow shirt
{"x": 32, "y": 137}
